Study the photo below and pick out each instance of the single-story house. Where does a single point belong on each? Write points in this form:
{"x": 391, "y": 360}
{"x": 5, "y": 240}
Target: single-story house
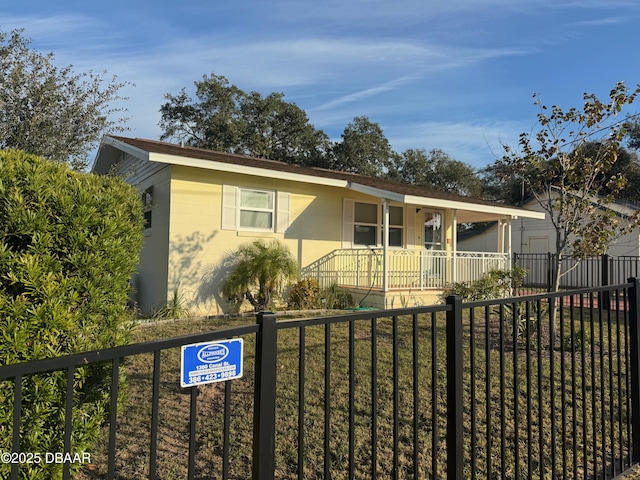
{"x": 388, "y": 243}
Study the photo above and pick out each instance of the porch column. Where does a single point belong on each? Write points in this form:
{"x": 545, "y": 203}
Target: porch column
{"x": 385, "y": 244}
{"x": 500, "y": 246}
{"x": 454, "y": 245}
{"x": 509, "y": 243}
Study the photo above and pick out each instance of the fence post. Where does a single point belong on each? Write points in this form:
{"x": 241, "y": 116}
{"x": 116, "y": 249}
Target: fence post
{"x": 634, "y": 347}
{"x": 454, "y": 389}
{"x": 605, "y": 279}
{"x": 550, "y": 275}
{"x": 264, "y": 405}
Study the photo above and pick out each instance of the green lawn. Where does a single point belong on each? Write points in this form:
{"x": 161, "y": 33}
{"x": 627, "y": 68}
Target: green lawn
{"x": 513, "y": 420}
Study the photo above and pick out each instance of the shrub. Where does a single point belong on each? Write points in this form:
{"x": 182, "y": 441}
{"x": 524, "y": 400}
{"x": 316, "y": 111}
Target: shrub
{"x": 259, "y": 270}
{"x": 305, "y": 294}
{"x": 69, "y": 243}
{"x": 493, "y": 284}
{"x": 174, "y": 308}
{"x": 335, "y": 297}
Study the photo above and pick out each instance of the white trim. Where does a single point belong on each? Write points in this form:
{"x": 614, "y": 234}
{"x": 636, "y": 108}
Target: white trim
{"x": 348, "y": 212}
{"x": 376, "y": 192}
{"x": 311, "y": 179}
{"x": 125, "y": 147}
{"x": 454, "y": 245}
{"x": 385, "y": 244}
{"x": 283, "y": 211}
{"x": 472, "y": 207}
{"x": 244, "y": 170}
{"x": 229, "y": 208}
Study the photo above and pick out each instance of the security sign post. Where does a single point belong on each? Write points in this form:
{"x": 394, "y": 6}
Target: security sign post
{"x": 210, "y": 362}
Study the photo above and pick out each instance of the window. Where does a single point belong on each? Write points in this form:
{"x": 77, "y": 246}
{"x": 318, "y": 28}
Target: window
{"x": 256, "y": 209}
{"x": 396, "y": 216}
{"x": 147, "y": 203}
{"x": 367, "y": 223}
{"x": 365, "y": 226}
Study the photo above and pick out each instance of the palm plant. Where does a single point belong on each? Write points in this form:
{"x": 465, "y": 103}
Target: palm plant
{"x": 259, "y": 271}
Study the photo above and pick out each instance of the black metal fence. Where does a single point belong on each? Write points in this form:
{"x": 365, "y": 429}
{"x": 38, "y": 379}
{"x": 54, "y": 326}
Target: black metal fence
{"x": 543, "y": 386}
{"x": 576, "y": 273}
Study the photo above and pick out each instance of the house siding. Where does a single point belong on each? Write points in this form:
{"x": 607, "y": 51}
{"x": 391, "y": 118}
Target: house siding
{"x": 198, "y": 245}
{"x": 529, "y": 235}
{"x": 150, "y": 282}
{"x": 135, "y": 171}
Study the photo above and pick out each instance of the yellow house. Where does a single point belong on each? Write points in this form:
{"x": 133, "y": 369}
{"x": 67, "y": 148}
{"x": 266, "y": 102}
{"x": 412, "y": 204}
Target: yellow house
{"x": 390, "y": 244}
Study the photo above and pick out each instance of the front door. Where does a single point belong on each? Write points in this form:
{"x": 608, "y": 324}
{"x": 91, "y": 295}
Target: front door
{"x": 432, "y": 260}
{"x": 432, "y": 226}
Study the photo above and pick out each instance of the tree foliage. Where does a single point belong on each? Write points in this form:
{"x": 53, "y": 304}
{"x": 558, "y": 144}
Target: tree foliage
{"x": 225, "y": 118}
{"x": 364, "y": 149}
{"x": 569, "y": 167}
{"x": 634, "y": 133}
{"x": 437, "y": 171}
{"x": 259, "y": 271}
{"x": 49, "y": 111}
{"x": 69, "y": 243}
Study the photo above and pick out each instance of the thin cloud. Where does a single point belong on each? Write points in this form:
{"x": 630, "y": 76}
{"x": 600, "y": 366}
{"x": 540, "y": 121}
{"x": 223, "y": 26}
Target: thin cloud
{"x": 366, "y": 93}
{"x": 600, "y": 22}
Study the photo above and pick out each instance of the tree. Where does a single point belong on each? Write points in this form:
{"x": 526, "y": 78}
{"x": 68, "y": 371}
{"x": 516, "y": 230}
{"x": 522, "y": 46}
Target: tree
{"x": 69, "y": 244}
{"x": 500, "y": 183}
{"x": 568, "y": 167}
{"x": 259, "y": 270}
{"x": 279, "y": 130}
{"x": 634, "y": 133}
{"x": 632, "y": 172}
{"x": 626, "y": 165}
{"x": 53, "y": 112}
{"x": 437, "y": 171}
{"x": 214, "y": 122}
{"x": 228, "y": 119}
{"x": 364, "y": 149}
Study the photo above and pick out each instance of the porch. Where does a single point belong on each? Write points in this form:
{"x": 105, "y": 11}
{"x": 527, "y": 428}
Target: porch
{"x": 404, "y": 269}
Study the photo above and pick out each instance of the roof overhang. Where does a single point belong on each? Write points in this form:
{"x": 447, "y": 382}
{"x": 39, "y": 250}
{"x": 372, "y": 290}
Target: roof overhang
{"x": 243, "y": 169}
{"x": 466, "y": 212}
{"x": 110, "y": 151}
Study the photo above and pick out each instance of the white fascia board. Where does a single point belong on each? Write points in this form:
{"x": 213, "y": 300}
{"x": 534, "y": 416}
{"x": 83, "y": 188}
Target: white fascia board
{"x": 474, "y": 207}
{"x": 243, "y": 169}
{"x": 377, "y": 192}
{"x": 125, "y": 147}
{"x": 441, "y": 203}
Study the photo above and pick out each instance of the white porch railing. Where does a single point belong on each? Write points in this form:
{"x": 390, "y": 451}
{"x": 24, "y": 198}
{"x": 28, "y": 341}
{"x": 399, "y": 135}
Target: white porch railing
{"x": 408, "y": 269}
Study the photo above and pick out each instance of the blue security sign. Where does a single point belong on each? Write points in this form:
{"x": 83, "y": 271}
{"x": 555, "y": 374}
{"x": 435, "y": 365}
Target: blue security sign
{"x": 211, "y": 362}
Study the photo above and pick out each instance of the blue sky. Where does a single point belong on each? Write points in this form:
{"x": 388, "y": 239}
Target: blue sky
{"x": 456, "y": 75}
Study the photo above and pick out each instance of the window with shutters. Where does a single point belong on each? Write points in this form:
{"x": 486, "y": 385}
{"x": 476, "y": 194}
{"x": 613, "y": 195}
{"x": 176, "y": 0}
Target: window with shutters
{"x": 256, "y": 209}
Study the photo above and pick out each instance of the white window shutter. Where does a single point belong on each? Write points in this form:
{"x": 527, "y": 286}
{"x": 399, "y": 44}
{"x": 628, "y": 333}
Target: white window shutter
{"x": 347, "y": 223}
{"x": 229, "y": 207}
{"x": 410, "y": 226}
{"x": 283, "y": 212}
